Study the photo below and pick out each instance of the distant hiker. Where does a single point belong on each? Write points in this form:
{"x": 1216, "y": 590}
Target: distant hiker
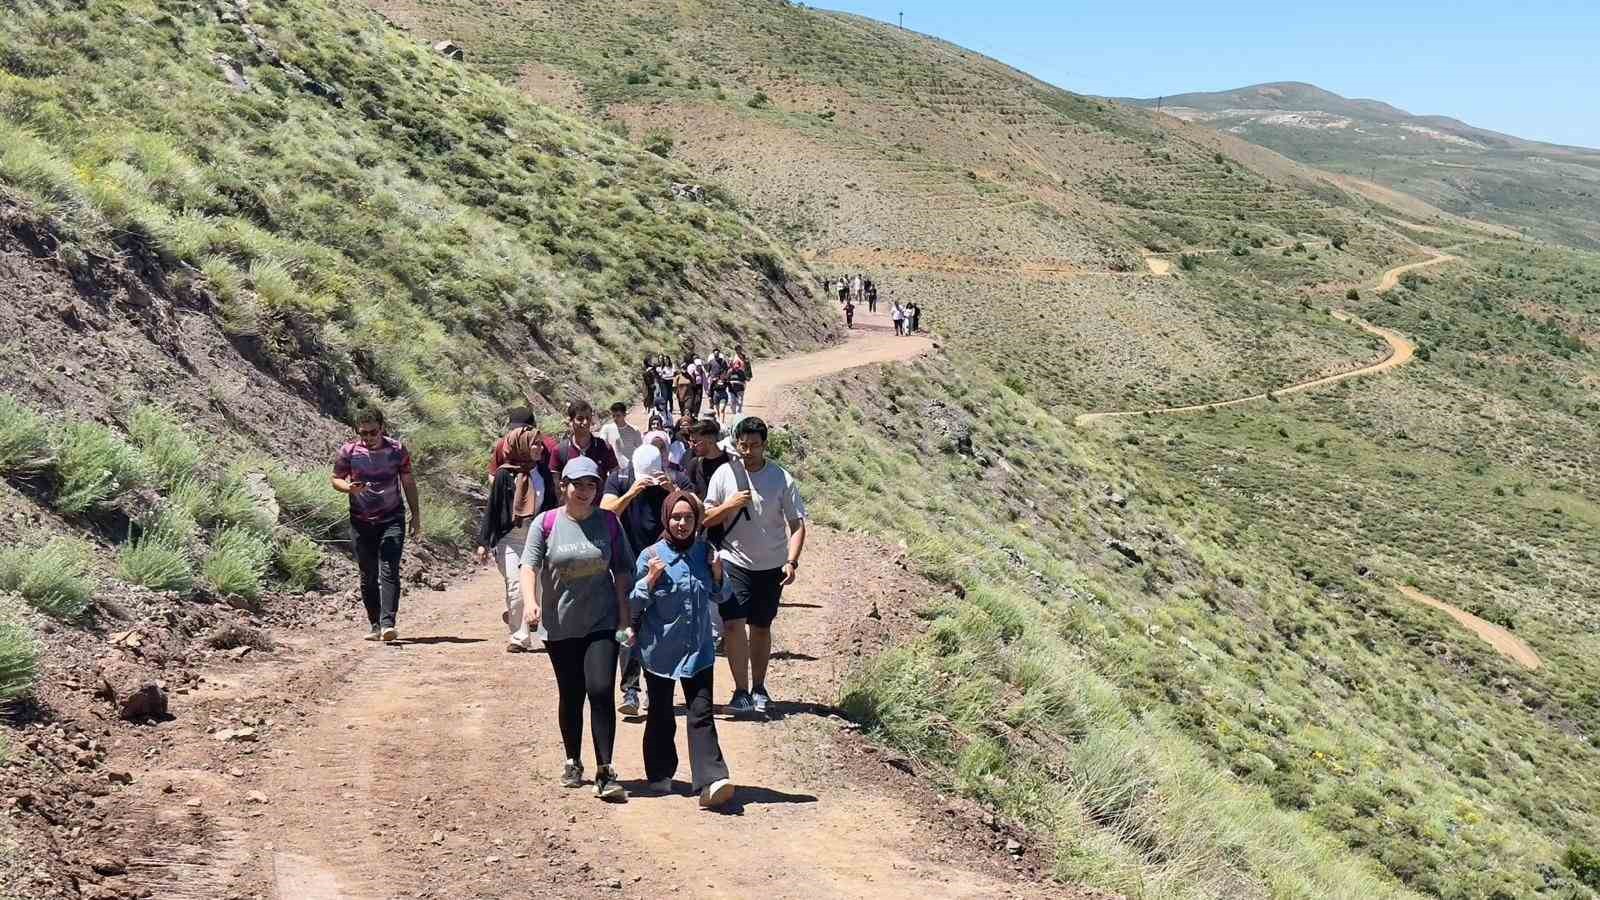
{"x": 647, "y": 374}
{"x": 708, "y": 456}
{"x": 666, "y": 376}
{"x": 764, "y": 533}
{"x": 636, "y": 500}
{"x": 913, "y": 314}
{"x": 872, "y": 296}
{"x": 737, "y": 376}
{"x": 678, "y": 451}
{"x": 683, "y": 386}
{"x": 719, "y": 397}
{"x": 676, "y": 582}
{"x": 581, "y": 440}
{"x": 849, "y": 314}
{"x": 844, "y": 294}
{"x": 577, "y": 569}
{"x": 855, "y": 286}
{"x": 897, "y": 314}
{"x": 522, "y": 488}
{"x": 743, "y": 359}
{"x": 516, "y": 417}
{"x": 374, "y": 470}
{"x": 620, "y": 436}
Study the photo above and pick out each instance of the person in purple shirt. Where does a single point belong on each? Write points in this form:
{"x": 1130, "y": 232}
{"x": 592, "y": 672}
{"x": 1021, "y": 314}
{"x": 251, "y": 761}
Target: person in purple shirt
{"x": 374, "y": 470}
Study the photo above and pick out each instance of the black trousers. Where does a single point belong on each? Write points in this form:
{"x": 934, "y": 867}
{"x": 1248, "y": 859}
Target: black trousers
{"x": 379, "y": 546}
{"x": 586, "y": 668}
{"x": 660, "y": 739}
{"x": 631, "y": 669}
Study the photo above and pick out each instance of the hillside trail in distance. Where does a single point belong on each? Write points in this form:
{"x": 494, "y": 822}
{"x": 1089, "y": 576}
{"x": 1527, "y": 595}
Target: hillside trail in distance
{"x": 427, "y": 768}
{"x": 1401, "y": 351}
{"x": 1501, "y": 639}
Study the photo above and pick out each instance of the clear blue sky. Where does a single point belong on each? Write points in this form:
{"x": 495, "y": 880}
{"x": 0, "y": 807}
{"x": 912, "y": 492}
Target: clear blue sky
{"x": 1529, "y": 69}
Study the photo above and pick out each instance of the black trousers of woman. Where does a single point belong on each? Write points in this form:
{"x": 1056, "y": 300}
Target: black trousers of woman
{"x": 660, "y": 739}
{"x": 586, "y": 668}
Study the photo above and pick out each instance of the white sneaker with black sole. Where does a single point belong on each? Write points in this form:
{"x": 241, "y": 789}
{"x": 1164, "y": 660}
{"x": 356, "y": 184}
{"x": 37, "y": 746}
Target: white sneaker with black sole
{"x": 716, "y": 794}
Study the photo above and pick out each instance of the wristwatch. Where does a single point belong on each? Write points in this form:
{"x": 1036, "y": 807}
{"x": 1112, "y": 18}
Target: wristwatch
{"x": 795, "y": 563}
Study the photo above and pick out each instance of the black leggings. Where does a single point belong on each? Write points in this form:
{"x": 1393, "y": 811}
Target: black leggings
{"x": 586, "y": 667}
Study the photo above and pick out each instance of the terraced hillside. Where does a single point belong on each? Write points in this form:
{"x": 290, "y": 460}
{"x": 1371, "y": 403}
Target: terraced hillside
{"x": 1547, "y": 190}
{"x": 1180, "y": 646}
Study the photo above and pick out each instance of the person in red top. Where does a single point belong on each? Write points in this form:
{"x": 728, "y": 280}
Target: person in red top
{"x": 374, "y": 470}
{"x": 581, "y": 440}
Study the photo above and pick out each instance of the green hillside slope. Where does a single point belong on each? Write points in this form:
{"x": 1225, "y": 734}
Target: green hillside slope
{"x": 1547, "y": 190}
{"x": 1176, "y": 645}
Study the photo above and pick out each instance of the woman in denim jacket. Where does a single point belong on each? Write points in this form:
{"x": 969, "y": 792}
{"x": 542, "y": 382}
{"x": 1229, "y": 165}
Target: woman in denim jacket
{"x": 674, "y": 601}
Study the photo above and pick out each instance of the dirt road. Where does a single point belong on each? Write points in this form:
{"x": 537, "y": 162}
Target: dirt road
{"x": 428, "y": 768}
{"x": 1499, "y": 638}
{"x": 1401, "y": 351}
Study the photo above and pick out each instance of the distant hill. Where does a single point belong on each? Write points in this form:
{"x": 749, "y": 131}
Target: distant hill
{"x": 1549, "y": 190}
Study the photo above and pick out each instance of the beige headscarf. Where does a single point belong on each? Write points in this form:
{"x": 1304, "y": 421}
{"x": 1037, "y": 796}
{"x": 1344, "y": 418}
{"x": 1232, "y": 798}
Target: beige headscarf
{"x": 524, "y": 449}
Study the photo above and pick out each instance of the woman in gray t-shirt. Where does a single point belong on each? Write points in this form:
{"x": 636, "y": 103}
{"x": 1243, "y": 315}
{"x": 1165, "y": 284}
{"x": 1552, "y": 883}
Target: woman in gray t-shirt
{"x": 578, "y": 568}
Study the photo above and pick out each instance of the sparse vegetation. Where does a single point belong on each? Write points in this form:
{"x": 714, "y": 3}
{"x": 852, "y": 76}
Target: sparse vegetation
{"x": 53, "y": 577}
{"x": 19, "y": 659}
{"x": 237, "y": 563}
{"x": 173, "y": 456}
{"x": 94, "y": 465}
{"x": 24, "y": 438}
{"x": 298, "y": 559}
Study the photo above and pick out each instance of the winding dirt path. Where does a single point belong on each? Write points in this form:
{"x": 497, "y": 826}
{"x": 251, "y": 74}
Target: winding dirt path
{"x": 1401, "y": 351}
{"x": 426, "y": 768}
{"x": 1499, "y": 638}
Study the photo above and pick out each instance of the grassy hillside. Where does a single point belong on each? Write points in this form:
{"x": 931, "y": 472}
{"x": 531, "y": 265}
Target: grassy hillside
{"x": 1174, "y": 645}
{"x": 1546, "y": 190}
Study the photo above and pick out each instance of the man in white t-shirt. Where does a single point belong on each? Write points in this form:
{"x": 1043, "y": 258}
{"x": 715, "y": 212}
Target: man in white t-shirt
{"x": 623, "y": 438}
{"x": 754, "y": 508}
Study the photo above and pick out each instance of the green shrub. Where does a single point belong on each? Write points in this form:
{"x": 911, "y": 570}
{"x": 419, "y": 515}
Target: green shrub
{"x": 759, "y": 100}
{"x": 173, "y": 455}
{"x": 444, "y": 523}
{"x": 309, "y": 502}
{"x": 232, "y": 503}
{"x": 299, "y": 558}
{"x": 659, "y": 141}
{"x": 158, "y": 563}
{"x": 237, "y": 562}
{"x": 94, "y": 465}
{"x": 1188, "y": 262}
{"x": 24, "y": 440}
{"x": 1352, "y": 294}
{"x": 54, "y": 578}
{"x": 1239, "y": 250}
{"x": 1584, "y": 863}
{"x": 19, "y": 657}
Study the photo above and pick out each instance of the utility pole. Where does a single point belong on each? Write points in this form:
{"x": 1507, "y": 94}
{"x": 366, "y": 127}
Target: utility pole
{"x": 902, "y": 20}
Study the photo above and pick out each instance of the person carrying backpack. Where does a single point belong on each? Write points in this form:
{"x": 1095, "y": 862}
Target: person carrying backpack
{"x": 737, "y": 376}
{"x": 577, "y": 569}
{"x": 763, "y": 524}
{"x": 580, "y": 440}
{"x": 676, "y": 581}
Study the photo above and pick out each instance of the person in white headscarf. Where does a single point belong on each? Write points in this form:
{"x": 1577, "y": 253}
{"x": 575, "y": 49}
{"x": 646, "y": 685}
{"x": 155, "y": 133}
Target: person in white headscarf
{"x": 637, "y": 503}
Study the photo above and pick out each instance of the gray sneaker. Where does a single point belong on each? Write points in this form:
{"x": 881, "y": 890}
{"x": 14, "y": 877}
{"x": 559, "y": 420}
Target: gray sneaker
{"x": 630, "y": 703}
{"x": 759, "y": 698}
{"x": 741, "y": 704}
{"x": 372, "y": 635}
{"x": 606, "y": 786}
{"x": 572, "y": 774}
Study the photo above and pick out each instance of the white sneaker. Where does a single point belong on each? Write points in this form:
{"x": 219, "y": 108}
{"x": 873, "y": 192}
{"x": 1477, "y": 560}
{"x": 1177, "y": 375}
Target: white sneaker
{"x": 716, "y": 793}
{"x": 389, "y": 634}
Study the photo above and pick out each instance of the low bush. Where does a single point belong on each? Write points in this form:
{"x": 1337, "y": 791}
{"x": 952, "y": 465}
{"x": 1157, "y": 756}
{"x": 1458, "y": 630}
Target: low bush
{"x": 94, "y": 466}
{"x": 172, "y": 454}
{"x": 19, "y": 657}
{"x": 157, "y": 562}
{"x": 1352, "y": 294}
{"x": 54, "y": 578}
{"x": 659, "y": 141}
{"x": 232, "y": 635}
{"x": 24, "y": 439}
{"x": 759, "y": 100}
{"x": 1584, "y": 862}
{"x": 309, "y": 502}
{"x": 299, "y": 558}
{"x": 237, "y": 562}
{"x": 233, "y": 503}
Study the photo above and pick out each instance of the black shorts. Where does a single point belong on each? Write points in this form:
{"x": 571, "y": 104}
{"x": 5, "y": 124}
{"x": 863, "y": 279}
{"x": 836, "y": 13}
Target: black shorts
{"x": 755, "y": 595}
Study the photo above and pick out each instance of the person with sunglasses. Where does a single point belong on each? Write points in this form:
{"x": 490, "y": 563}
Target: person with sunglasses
{"x": 374, "y": 471}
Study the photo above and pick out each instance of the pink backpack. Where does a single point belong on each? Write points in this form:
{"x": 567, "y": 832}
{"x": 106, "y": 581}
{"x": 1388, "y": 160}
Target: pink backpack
{"x": 547, "y": 524}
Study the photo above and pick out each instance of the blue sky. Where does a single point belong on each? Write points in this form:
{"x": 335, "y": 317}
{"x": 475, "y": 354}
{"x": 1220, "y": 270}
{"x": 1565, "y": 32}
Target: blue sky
{"x": 1528, "y": 69}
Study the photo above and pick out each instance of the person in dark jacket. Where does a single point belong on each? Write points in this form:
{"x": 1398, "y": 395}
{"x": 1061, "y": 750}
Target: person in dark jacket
{"x": 523, "y": 487}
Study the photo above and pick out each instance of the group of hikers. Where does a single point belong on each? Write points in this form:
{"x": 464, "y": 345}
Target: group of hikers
{"x": 853, "y": 290}
{"x": 620, "y": 550}
{"x": 717, "y": 381}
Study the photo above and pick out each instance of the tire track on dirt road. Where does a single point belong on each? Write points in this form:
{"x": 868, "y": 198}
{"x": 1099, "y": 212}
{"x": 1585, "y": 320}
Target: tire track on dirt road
{"x": 427, "y": 768}
{"x": 1401, "y": 351}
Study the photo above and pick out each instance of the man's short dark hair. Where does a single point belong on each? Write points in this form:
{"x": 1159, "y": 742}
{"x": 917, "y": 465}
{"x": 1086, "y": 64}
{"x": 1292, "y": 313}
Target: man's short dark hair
{"x": 518, "y": 416}
{"x": 619, "y": 408}
{"x": 370, "y": 414}
{"x": 706, "y": 428}
{"x": 751, "y": 426}
{"x": 579, "y": 408}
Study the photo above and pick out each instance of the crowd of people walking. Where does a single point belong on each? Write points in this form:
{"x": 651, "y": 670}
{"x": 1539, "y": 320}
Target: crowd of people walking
{"x": 624, "y": 553}
{"x": 853, "y": 290}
